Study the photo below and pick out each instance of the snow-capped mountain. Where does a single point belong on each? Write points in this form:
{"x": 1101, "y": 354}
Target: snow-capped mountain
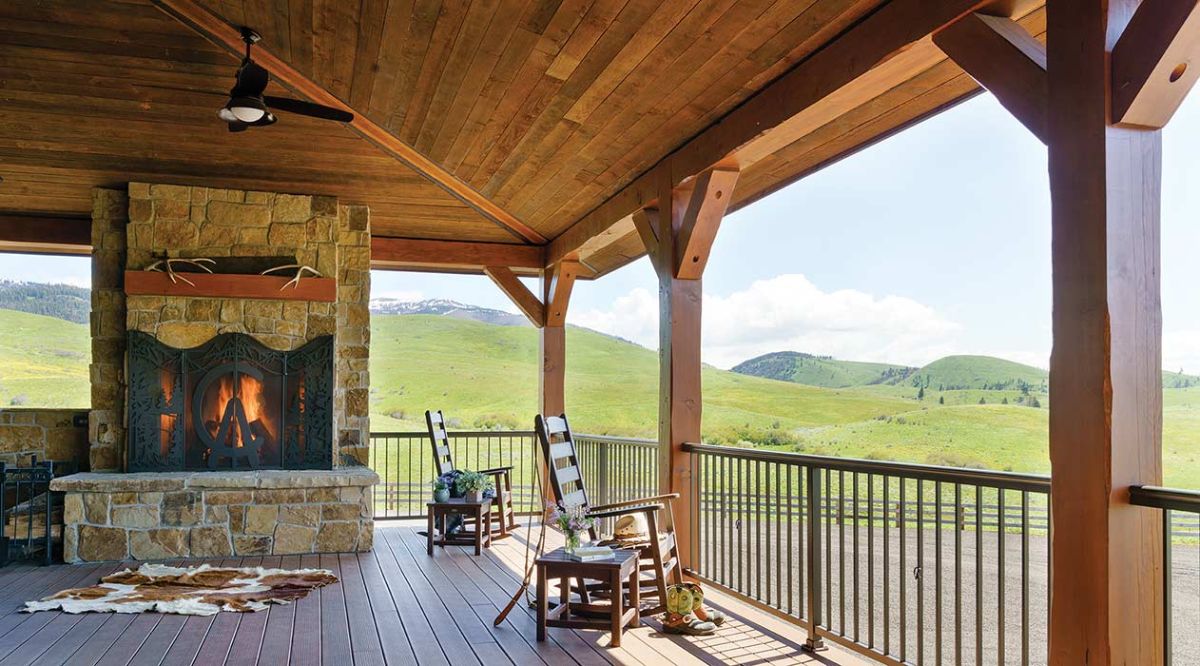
{"x": 446, "y": 308}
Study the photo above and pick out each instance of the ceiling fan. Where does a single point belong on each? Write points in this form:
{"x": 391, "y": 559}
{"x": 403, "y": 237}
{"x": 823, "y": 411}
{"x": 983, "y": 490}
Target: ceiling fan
{"x": 248, "y": 107}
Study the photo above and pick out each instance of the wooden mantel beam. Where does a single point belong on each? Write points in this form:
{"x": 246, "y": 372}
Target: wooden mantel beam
{"x": 1156, "y": 62}
{"x": 221, "y": 33}
{"x": 1004, "y": 58}
{"x": 862, "y": 63}
{"x": 37, "y": 234}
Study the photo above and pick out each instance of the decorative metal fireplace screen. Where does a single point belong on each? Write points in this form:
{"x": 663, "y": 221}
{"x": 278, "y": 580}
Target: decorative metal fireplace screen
{"x": 230, "y": 403}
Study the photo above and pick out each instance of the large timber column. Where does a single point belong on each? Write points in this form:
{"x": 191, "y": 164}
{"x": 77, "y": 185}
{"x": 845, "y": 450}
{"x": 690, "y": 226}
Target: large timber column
{"x": 1112, "y": 75}
{"x": 678, "y": 236}
{"x": 1106, "y": 365}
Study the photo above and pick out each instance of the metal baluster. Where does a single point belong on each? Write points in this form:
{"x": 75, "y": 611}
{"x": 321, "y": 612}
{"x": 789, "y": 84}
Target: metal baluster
{"x": 1024, "y": 578}
{"x": 887, "y": 566}
{"x": 903, "y": 571}
{"x": 854, "y": 505}
{"x": 791, "y": 495}
{"x": 937, "y": 570}
{"x": 778, "y": 546}
{"x": 1167, "y": 642}
{"x": 814, "y": 641}
{"x": 870, "y": 560}
{"x": 1000, "y": 576}
{"x": 920, "y": 571}
{"x": 828, "y": 564}
{"x": 978, "y": 575}
{"x": 959, "y": 526}
{"x": 841, "y": 519}
{"x": 757, "y": 495}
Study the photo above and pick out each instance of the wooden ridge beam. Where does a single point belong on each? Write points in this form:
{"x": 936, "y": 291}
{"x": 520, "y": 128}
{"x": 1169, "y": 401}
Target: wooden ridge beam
{"x": 706, "y": 207}
{"x": 1004, "y": 58}
{"x": 1156, "y": 62}
{"x": 518, "y": 293}
{"x": 453, "y": 256}
{"x": 863, "y": 62}
{"x": 44, "y": 234}
{"x": 221, "y": 33}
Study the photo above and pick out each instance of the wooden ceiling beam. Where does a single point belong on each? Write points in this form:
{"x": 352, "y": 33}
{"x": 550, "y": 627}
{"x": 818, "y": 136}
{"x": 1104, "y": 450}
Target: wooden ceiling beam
{"x": 863, "y": 62}
{"x": 706, "y": 207}
{"x": 1004, "y": 58}
{"x": 1155, "y": 62}
{"x": 42, "y": 234}
{"x": 518, "y": 293}
{"x": 221, "y": 33}
{"x": 453, "y": 256}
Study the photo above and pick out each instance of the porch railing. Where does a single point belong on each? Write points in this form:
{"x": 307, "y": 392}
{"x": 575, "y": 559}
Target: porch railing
{"x": 404, "y": 462}
{"x": 902, "y": 563}
{"x": 614, "y": 468}
{"x": 1181, "y": 564}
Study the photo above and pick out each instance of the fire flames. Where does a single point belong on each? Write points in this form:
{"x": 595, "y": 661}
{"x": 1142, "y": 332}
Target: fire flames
{"x": 249, "y": 393}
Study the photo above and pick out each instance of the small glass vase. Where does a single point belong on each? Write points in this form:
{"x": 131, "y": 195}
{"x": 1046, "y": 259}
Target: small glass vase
{"x": 572, "y": 544}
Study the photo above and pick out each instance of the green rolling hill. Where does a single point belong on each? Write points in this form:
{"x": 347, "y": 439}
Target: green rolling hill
{"x": 956, "y": 373}
{"x": 484, "y": 376}
{"x": 824, "y": 371}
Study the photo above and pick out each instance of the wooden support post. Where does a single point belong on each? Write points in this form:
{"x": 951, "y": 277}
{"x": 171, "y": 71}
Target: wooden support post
{"x": 683, "y": 226}
{"x": 556, "y": 293}
{"x": 1105, "y": 369}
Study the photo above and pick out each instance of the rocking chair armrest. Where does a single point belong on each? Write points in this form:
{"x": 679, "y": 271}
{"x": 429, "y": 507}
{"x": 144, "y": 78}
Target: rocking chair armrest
{"x": 497, "y": 470}
{"x": 624, "y": 511}
{"x": 641, "y": 500}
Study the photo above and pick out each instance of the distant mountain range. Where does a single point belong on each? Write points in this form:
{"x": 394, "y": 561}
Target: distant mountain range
{"x": 446, "y": 308}
{"x": 952, "y": 373}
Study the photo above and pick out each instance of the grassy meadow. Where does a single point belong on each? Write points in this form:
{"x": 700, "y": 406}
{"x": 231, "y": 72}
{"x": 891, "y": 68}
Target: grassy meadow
{"x": 484, "y": 376}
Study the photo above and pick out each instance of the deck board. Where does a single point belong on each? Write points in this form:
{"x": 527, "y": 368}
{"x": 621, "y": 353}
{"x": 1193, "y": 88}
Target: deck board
{"x": 394, "y": 605}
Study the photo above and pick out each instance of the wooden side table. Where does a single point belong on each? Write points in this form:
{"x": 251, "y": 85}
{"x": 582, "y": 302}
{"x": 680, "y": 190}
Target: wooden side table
{"x": 621, "y": 569}
{"x": 437, "y": 512}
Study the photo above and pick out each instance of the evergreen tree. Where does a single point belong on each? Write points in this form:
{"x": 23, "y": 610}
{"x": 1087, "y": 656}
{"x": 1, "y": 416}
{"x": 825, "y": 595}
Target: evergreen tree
{"x": 982, "y": 401}
{"x": 921, "y": 393}
{"x": 941, "y": 399}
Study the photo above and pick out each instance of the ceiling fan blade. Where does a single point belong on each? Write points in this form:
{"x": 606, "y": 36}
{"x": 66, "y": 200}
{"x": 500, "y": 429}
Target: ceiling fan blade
{"x": 307, "y": 109}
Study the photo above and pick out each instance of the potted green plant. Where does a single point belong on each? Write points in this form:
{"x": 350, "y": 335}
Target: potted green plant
{"x": 441, "y": 491}
{"x": 472, "y": 485}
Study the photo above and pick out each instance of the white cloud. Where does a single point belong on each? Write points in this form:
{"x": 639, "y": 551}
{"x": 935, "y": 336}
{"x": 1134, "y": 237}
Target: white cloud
{"x": 788, "y": 312}
{"x": 633, "y": 316}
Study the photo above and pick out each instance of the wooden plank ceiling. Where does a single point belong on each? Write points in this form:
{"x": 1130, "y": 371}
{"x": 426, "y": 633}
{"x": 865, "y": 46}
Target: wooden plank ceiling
{"x": 546, "y": 107}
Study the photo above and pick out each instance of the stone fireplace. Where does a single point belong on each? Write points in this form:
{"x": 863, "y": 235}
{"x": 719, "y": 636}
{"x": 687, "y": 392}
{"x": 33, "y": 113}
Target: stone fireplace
{"x": 229, "y": 410}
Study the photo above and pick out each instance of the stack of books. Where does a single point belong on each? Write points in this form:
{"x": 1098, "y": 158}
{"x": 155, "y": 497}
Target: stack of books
{"x": 592, "y": 554}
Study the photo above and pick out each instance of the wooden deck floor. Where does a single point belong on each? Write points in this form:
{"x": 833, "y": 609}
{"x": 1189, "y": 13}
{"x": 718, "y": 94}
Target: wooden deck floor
{"x": 394, "y": 605}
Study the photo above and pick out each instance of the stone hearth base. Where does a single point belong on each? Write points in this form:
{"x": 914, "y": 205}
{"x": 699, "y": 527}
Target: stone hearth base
{"x": 215, "y": 514}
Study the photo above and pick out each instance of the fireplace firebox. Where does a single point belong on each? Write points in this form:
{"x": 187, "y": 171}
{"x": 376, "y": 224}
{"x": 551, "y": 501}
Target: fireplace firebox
{"x": 230, "y": 403}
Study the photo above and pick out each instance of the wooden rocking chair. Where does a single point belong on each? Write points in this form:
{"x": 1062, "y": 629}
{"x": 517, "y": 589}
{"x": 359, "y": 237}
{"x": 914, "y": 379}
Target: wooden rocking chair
{"x": 659, "y": 555}
{"x": 502, "y": 512}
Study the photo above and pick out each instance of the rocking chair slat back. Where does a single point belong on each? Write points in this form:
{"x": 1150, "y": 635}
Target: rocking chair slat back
{"x": 443, "y": 461}
{"x": 562, "y": 460}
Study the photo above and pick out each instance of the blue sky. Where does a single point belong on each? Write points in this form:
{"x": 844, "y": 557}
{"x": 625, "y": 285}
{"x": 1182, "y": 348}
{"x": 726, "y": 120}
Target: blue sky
{"x": 935, "y": 241}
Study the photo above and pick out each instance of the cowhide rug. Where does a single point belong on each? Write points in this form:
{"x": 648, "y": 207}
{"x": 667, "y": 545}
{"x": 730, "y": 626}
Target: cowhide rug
{"x": 202, "y": 590}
